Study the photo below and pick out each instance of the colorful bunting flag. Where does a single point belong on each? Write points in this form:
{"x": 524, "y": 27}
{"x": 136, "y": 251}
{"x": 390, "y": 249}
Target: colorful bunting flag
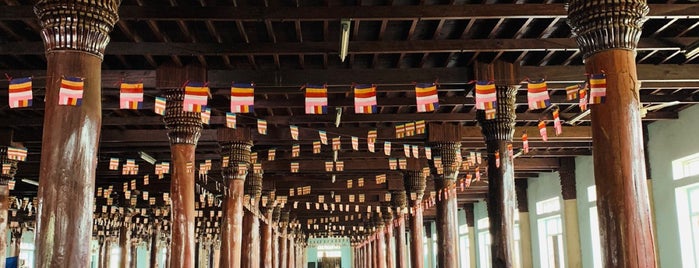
{"x": 295, "y": 150}
{"x": 392, "y": 163}
{"x": 294, "y": 130}
{"x": 71, "y": 91}
{"x": 572, "y": 92}
{"x": 420, "y": 127}
{"x": 206, "y": 116}
{"x": 14, "y": 153}
{"x": 196, "y": 95}
{"x": 355, "y": 143}
{"x": 428, "y": 152}
{"x": 337, "y": 144}
{"x": 113, "y": 163}
{"x": 486, "y": 98}
{"x": 131, "y": 96}
{"x": 538, "y": 95}
{"x": 497, "y": 159}
{"x": 231, "y": 120}
{"x": 242, "y": 97}
{"x": 557, "y": 122}
{"x": 159, "y": 107}
{"x": 406, "y": 150}
{"x": 409, "y": 129}
{"x": 323, "y": 137}
{"x": 371, "y": 139}
{"x": 598, "y": 88}
{"x": 387, "y": 148}
{"x": 525, "y": 142}
{"x": 316, "y": 147}
{"x": 316, "y": 99}
{"x": 365, "y": 99}
{"x": 339, "y": 166}
{"x": 426, "y": 97}
{"x": 294, "y": 167}
{"x": 262, "y": 126}
{"x": 583, "y": 99}
{"x": 253, "y": 157}
{"x": 349, "y": 184}
{"x": 271, "y": 154}
{"x": 416, "y": 151}
{"x": 400, "y": 131}
{"x": 402, "y": 163}
{"x": 542, "y": 130}
{"x": 6, "y": 168}
{"x": 20, "y": 92}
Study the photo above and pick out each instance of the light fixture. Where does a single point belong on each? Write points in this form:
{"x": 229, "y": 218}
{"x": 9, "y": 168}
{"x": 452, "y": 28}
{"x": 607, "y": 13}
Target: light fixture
{"x": 578, "y": 117}
{"x": 147, "y": 157}
{"x": 32, "y": 182}
{"x": 651, "y": 108}
{"x": 344, "y": 38}
{"x": 338, "y": 116}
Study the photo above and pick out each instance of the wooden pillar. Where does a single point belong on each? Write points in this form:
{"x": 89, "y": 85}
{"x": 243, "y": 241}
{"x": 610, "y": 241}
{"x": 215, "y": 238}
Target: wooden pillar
{"x": 283, "y": 241}
{"x": 5, "y": 198}
{"x": 134, "y": 255}
{"x": 184, "y": 130}
{"x": 235, "y": 145}
{"x": 498, "y": 134}
{"x": 370, "y": 253}
{"x": 276, "y": 215}
{"x": 470, "y": 222}
{"x": 154, "y": 246}
{"x": 445, "y": 140}
{"x": 250, "y": 256}
{"x": 400, "y": 203}
{"x": 380, "y": 245}
{"x": 125, "y": 243}
{"x": 607, "y": 33}
{"x": 570, "y": 212}
{"x": 525, "y": 235}
{"x": 16, "y": 242}
{"x": 290, "y": 250}
{"x": 267, "y": 229}
{"x": 75, "y": 35}
{"x": 102, "y": 249}
{"x": 388, "y": 235}
{"x": 415, "y": 182}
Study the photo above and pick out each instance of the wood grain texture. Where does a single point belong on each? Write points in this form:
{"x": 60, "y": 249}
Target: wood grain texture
{"x": 232, "y": 226}
{"x": 182, "y": 245}
{"x": 416, "y": 238}
{"x": 447, "y": 233}
{"x": 401, "y": 252}
{"x": 250, "y": 244}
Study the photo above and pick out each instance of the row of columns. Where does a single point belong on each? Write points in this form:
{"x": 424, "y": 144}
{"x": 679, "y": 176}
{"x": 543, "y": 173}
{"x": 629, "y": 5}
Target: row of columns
{"x": 70, "y": 141}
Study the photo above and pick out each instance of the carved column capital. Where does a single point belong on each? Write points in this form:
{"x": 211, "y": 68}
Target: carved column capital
{"x": 253, "y": 185}
{"x": 606, "y": 24}
{"x": 77, "y": 25}
{"x": 415, "y": 182}
{"x": 284, "y": 219}
{"x": 387, "y": 213}
{"x": 183, "y": 127}
{"x": 399, "y": 200}
{"x": 235, "y": 148}
{"x": 6, "y": 176}
{"x": 276, "y": 213}
{"x": 450, "y": 152}
{"x": 502, "y": 128}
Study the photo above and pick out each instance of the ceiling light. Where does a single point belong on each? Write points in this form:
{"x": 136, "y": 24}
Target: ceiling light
{"x": 147, "y": 157}
{"x": 344, "y": 38}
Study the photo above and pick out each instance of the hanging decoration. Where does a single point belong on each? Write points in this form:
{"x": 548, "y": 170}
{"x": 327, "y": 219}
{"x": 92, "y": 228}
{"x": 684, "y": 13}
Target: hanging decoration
{"x": 15, "y": 153}
{"x": 323, "y": 137}
{"x": 294, "y": 166}
{"x": 271, "y": 154}
{"x": 262, "y": 126}
{"x": 392, "y": 163}
{"x": 242, "y": 97}
{"x": 336, "y": 144}
{"x": 316, "y": 99}
{"x": 572, "y": 92}
{"x": 583, "y": 98}
{"x": 339, "y": 165}
{"x": 486, "y": 98}
{"x": 598, "y": 88}
{"x": 196, "y": 95}
{"x": 428, "y": 152}
{"x": 131, "y": 96}
{"x": 416, "y": 151}
{"x": 294, "y": 130}
{"x": 542, "y": 130}
{"x": 231, "y": 120}
{"x": 497, "y": 159}
{"x": 538, "y": 95}
{"x": 71, "y": 91}
{"x": 387, "y": 148}
{"x": 557, "y": 122}
{"x": 426, "y": 97}
{"x": 410, "y": 129}
{"x": 355, "y": 143}
{"x": 113, "y": 163}
{"x": 20, "y": 92}
{"x": 525, "y": 142}
{"x": 371, "y": 139}
{"x": 206, "y": 116}
{"x": 406, "y": 150}
{"x": 316, "y": 147}
{"x": 159, "y": 107}
{"x": 365, "y": 99}
{"x": 295, "y": 150}
{"x": 420, "y": 127}
{"x": 400, "y": 131}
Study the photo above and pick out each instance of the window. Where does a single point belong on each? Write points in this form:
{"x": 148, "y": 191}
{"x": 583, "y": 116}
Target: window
{"x": 484, "y": 252}
{"x": 550, "y": 233}
{"x": 688, "y": 220}
{"x": 685, "y": 167}
{"x": 26, "y": 254}
{"x": 464, "y": 250}
{"x": 594, "y": 227}
{"x": 484, "y": 242}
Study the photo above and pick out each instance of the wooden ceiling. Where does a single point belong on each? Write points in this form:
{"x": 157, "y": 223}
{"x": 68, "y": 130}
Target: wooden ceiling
{"x": 281, "y": 45}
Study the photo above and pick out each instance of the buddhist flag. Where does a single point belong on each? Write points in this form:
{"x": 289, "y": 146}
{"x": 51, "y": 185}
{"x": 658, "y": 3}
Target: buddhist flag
{"x": 409, "y": 129}
{"x": 355, "y": 143}
{"x": 294, "y": 166}
{"x": 387, "y": 148}
{"x": 196, "y": 95}
{"x": 6, "y": 168}
{"x": 598, "y": 88}
{"x": 400, "y": 131}
{"x": 572, "y": 92}
{"x": 538, "y": 95}
{"x": 542, "y": 130}
{"x": 206, "y": 115}
{"x": 420, "y": 127}
{"x": 20, "y": 92}
{"x": 416, "y": 151}
{"x": 262, "y": 127}
{"x": 583, "y": 99}
{"x": 406, "y": 150}
{"x": 403, "y": 163}
{"x": 428, "y": 152}
{"x": 426, "y": 97}
{"x": 392, "y": 163}
{"x": 231, "y": 119}
{"x": 316, "y": 99}
{"x": 71, "y": 91}
{"x": 242, "y": 97}
{"x": 337, "y": 144}
{"x": 159, "y": 105}
{"x": 114, "y": 163}
{"x": 295, "y": 150}
{"x": 316, "y": 147}
{"x": 364, "y": 99}
{"x": 323, "y": 137}
{"x": 329, "y": 165}
{"x": 14, "y": 153}
{"x": 271, "y": 154}
{"x": 131, "y": 96}
{"x": 340, "y": 166}
{"x": 497, "y": 159}
{"x": 557, "y": 123}
{"x": 294, "y": 130}
{"x": 486, "y": 98}
{"x": 525, "y": 142}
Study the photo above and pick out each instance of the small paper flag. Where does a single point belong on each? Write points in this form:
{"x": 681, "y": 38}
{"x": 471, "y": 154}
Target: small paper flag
{"x": 160, "y": 105}
{"x": 294, "y": 132}
{"x": 542, "y": 130}
{"x": 557, "y": 123}
{"x": 262, "y": 127}
{"x": 71, "y": 91}
{"x": 598, "y": 88}
{"x": 231, "y": 120}
{"x": 355, "y": 143}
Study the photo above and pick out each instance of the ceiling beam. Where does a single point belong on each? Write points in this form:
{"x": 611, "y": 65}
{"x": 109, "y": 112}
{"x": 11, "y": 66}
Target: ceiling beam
{"x": 355, "y": 47}
{"x": 364, "y": 13}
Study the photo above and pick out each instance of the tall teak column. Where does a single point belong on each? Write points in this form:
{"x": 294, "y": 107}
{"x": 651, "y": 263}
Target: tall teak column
{"x": 498, "y": 134}
{"x": 184, "y": 130}
{"x": 607, "y": 33}
{"x": 250, "y": 257}
{"x": 266, "y": 230}
{"x": 525, "y": 234}
{"x": 446, "y": 143}
{"x": 399, "y": 201}
{"x": 415, "y": 183}
{"x": 235, "y": 146}
{"x": 75, "y": 34}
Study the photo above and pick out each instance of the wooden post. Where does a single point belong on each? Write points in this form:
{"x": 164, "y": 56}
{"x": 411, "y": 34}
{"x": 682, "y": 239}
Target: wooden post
{"x": 184, "y": 130}
{"x": 5, "y": 198}
{"x": 75, "y": 35}
{"x": 445, "y": 140}
{"x": 498, "y": 134}
{"x": 154, "y": 246}
{"x": 415, "y": 182}
{"x": 16, "y": 242}
{"x": 388, "y": 235}
{"x": 607, "y": 33}
{"x": 134, "y": 255}
{"x": 290, "y": 250}
{"x": 266, "y": 227}
{"x": 107, "y": 252}
{"x": 283, "y": 241}
{"x": 276, "y": 215}
{"x": 235, "y": 145}
{"x": 400, "y": 203}
{"x": 470, "y": 222}
{"x": 380, "y": 245}
{"x": 525, "y": 234}
{"x": 251, "y": 224}
{"x": 125, "y": 243}
{"x": 570, "y": 212}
